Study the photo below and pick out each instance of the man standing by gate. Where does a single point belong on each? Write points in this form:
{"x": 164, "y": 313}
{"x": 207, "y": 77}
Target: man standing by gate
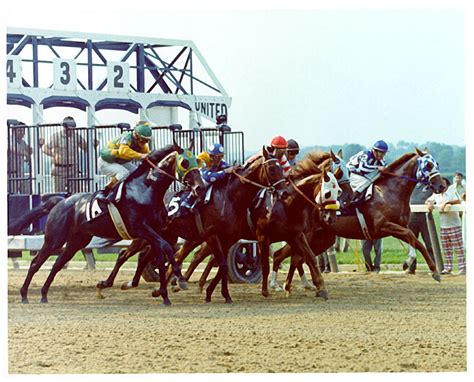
{"x": 62, "y": 147}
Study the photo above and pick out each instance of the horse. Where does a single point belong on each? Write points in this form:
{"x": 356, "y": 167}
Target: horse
{"x": 141, "y": 206}
{"x": 311, "y": 164}
{"x": 210, "y": 223}
{"x": 386, "y": 213}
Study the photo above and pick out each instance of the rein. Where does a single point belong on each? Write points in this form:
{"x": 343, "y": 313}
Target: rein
{"x": 409, "y": 178}
{"x": 243, "y": 179}
{"x": 303, "y": 195}
{"x": 163, "y": 172}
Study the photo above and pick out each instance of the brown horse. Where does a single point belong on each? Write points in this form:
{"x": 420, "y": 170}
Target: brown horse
{"x": 386, "y": 213}
{"x": 313, "y": 163}
{"x": 220, "y": 221}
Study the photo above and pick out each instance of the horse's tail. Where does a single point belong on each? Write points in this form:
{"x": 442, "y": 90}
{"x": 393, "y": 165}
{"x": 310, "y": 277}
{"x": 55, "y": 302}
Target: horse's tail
{"x": 22, "y": 222}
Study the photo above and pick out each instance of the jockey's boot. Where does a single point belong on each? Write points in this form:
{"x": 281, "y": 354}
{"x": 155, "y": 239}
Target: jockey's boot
{"x": 355, "y": 200}
{"x": 102, "y": 195}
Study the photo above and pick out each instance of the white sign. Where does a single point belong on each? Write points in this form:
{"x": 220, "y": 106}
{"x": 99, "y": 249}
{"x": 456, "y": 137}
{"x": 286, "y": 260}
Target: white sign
{"x": 14, "y": 72}
{"x": 64, "y": 74}
{"x": 118, "y": 77}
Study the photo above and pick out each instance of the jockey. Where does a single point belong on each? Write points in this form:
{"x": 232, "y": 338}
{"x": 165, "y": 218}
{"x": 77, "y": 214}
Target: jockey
{"x": 292, "y": 150}
{"x": 115, "y": 158}
{"x": 215, "y": 171}
{"x": 278, "y": 147}
{"x": 365, "y": 167}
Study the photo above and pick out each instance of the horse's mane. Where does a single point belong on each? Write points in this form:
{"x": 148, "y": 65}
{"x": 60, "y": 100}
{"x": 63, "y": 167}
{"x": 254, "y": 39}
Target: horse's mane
{"x": 155, "y": 156}
{"x": 400, "y": 161}
{"x": 309, "y": 165}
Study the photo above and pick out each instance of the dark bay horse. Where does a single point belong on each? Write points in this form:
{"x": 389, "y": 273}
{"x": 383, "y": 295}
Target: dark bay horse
{"x": 387, "y": 212}
{"x": 220, "y": 221}
{"x": 141, "y": 207}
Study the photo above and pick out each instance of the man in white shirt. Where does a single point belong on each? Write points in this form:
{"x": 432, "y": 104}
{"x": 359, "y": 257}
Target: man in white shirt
{"x": 450, "y": 228}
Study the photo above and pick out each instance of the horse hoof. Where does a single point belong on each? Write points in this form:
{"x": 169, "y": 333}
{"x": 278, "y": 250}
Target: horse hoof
{"x": 201, "y": 288}
{"x": 44, "y": 300}
{"x": 265, "y": 293}
{"x": 126, "y": 286}
{"x": 24, "y": 300}
{"x": 156, "y": 293}
{"x": 436, "y": 276}
{"x": 207, "y": 299}
{"x": 175, "y": 289}
{"x": 287, "y": 294}
{"x": 322, "y": 294}
{"x": 174, "y": 280}
{"x": 183, "y": 284}
{"x": 405, "y": 266}
{"x": 228, "y": 300}
{"x": 166, "y": 303}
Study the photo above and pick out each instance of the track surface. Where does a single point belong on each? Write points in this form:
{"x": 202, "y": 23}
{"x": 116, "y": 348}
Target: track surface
{"x": 385, "y": 322}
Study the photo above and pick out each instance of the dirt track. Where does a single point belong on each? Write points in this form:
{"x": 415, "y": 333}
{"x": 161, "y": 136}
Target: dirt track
{"x": 385, "y": 322}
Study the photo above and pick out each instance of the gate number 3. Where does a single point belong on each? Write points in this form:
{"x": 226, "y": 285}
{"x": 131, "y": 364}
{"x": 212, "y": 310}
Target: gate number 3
{"x": 66, "y": 75}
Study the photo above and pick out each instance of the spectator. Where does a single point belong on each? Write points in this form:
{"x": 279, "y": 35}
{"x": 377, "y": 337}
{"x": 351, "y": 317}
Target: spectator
{"x": 450, "y": 228}
{"x": 418, "y": 224}
{"x": 367, "y": 246}
{"x": 19, "y": 161}
{"x": 62, "y": 148}
{"x": 459, "y": 184}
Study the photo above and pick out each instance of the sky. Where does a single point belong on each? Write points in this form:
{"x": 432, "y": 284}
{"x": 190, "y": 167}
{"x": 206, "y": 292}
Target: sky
{"x": 320, "y": 76}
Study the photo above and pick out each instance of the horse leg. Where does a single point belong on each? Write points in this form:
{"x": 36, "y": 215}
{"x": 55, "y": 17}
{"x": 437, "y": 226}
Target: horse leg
{"x": 304, "y": 281}
{"x": 407, "y": 235}
{"x": 72, "y": 246}
{"x": 278, "y": 257}
{"x": 300, "y": 243}
{"x": 220, "y": 257}
{"x": 205, "y": 274}
{"x": 289, "y": 278}
{"x": 158, "y": 246}
{"x": 181, "y": 254}
{"x": 144, "y": 257}
{"x": 45, "y": 252}
{"x": 264, "y": 247}
{"x": 198, "y": 258}
{"x": 123, "y": 256}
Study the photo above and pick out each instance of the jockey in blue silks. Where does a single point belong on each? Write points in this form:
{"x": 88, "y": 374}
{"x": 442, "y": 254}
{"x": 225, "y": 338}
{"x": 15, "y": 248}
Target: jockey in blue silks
{"x": 216, "y": 171}
{"x": 365, "y": 167}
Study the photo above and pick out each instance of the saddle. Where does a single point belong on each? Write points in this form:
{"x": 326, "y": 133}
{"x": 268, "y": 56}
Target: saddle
{"x": 361, "y": 199}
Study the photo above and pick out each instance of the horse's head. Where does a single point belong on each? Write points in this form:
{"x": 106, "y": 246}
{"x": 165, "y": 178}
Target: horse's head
{"x": 187, "y": 170}
{"x": 326, "y": 197}
{"x": 427, "y": 171}
{"x": 271, "y": 173}
{"x": 341, "y": 172}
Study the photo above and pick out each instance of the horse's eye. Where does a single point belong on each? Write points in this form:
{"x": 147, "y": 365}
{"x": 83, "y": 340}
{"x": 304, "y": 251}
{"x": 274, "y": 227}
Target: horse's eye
{"x": 327, "y": 195}
{"x": 185, "y": 164}
{"x": 429, "y": 166}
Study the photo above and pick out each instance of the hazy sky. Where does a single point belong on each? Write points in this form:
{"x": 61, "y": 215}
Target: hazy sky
{"x": 318, "y": 76}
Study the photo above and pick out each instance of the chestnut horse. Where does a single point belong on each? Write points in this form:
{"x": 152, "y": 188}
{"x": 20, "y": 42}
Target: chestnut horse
{"x": 311, "y": 164}
{"x": 386, "y": 213}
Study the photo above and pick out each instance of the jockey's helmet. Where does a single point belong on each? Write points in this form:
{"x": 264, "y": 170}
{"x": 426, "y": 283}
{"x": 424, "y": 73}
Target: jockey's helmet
{"x": 279, "y": 142}
{"x": 143, "y": 130}
{"x": 293, "y": 147}
{"x": 221, "y": 119}
{"x": 380, "y": 146}
{"x": 215, "y": 149}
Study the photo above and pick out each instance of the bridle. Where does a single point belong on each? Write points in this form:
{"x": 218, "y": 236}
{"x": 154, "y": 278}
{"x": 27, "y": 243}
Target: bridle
{"x": 157, "y": 169}
{"x": 271, "y": 186}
